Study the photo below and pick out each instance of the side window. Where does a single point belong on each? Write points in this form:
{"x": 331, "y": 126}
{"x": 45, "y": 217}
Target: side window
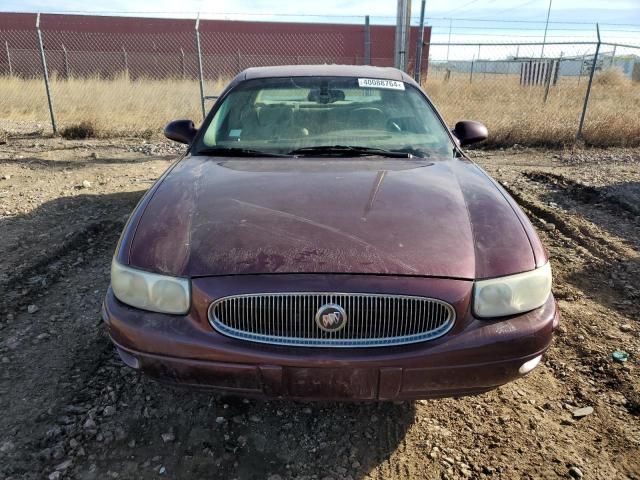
{"x": 214, "y": 130}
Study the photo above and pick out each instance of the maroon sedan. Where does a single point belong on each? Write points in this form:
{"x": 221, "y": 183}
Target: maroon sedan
{"x": 326, "y": 237}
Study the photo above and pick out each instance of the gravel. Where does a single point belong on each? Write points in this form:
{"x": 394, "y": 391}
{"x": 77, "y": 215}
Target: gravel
{"x": 68, "y": 400}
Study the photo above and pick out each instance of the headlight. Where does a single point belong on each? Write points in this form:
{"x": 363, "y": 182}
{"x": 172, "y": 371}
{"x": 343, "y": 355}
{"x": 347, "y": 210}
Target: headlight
{"x": 518, "y": 293}
{"x": 150, "y": 291}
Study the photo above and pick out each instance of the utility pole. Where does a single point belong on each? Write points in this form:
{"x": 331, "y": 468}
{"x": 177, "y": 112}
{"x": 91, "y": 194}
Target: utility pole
{"x": 367, "y": 41}
{"x": 449, "y": 42}
{"x": 546, "y": 27}
{"x": 402, "y": 33}
{"x": 420, "y": 44}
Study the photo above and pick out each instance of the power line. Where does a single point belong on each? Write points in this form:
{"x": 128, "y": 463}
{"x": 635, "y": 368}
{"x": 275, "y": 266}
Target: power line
{"x": 542, "y": 22}
{"x": 517, "y": 7}
{"x": 463, "y": 6}
{"x": 537, "y": 29}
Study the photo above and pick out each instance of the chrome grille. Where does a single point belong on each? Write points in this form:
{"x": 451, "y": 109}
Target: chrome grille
{"x": 372, "y": 319}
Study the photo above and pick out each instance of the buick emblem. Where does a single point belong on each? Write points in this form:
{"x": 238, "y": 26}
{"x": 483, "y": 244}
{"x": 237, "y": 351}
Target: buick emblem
{"x": 331, "y": 317}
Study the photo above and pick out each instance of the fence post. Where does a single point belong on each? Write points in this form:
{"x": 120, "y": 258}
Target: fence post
{"x": 367, "y": 41}
{"x": 581, "y": 69}
{"x": 471, "y": 74}
{"x": 547, "y": 82}
{"x": 200, "y": 74}
{"x": 6, "y": 44}
{"x": 182, "y": 64}
{"x": 46, "y": 76}
{"x": 66, "y": 61}
{"x": 591, "y": 74}
{"x": 613, "y": 56}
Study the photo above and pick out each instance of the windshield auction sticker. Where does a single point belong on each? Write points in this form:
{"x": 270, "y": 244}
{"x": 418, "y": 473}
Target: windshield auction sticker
{"x": 379, "y": 83}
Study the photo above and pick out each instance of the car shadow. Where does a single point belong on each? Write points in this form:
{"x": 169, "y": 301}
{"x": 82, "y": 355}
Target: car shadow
{"x": 57, "y": 256}
{"x": 258, "y": 439}
{"x": 38, "y": 247}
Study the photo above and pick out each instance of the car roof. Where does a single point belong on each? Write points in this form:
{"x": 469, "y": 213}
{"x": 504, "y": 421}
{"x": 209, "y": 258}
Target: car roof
{"x": 367, "y": 71}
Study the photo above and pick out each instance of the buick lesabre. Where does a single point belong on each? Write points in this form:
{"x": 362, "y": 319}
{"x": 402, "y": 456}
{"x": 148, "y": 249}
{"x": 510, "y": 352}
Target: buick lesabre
{"x": 325, "y": 236}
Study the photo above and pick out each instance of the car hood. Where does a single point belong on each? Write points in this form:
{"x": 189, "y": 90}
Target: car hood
{"x": 442, "y": 218}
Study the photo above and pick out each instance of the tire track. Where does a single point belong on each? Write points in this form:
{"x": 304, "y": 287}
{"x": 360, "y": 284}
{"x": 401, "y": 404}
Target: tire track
{"x": 26, "y": 283}
{"x": 588, "y": 237}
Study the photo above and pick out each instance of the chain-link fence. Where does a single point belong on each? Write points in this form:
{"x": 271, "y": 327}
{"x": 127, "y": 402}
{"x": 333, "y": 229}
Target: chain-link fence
{"x": 129, "y": 75}
{"x": 540, "y": 94}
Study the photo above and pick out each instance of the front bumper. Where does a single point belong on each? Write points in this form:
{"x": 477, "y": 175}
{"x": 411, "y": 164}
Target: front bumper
{"x": 475, "y": 356}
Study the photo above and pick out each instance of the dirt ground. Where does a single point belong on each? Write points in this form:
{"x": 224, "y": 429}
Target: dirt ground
{"x": 70, "y": 409}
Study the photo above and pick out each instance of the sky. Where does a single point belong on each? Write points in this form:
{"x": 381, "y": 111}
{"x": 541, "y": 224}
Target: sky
{"x": 471, "y": 21}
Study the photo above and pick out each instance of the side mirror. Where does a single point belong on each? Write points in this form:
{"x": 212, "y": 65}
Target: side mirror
{"x": 183, "y": 131}
{"x": 468, "y": 132}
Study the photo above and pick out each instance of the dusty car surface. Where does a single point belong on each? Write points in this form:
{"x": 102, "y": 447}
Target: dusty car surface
{"x": 326, "y": 237}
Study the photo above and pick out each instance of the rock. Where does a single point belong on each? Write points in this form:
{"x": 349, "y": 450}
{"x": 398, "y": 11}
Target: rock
{"x": 582, "y": 412}
{"x": 575, "y": 472}
{"x": 168, "y": 437}
{"x": 626, "y": 328}
{"x": 64, "y": 465}
{"x": 55, "y": 476}
{"x": 258, "y": 441}
{"x": 549, "y": 227}
{"x": 86, "y": 184}
{"x": 109, "y": 410}
{"x": 54, "y": 432}
{"x": 32, "y": 308}
{"x": 6, "y": 176}
{"x": 220, "y": 420}
{"x": 162, "y": 470}
{"x": 6, "y": 446}
{"x": 90, "y": 423}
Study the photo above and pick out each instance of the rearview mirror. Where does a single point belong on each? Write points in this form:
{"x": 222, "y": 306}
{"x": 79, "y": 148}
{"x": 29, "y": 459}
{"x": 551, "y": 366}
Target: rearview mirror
{"x": 468, "y": 132}
{"x": 183, "y": 131}
{"x": 325, "y": 95}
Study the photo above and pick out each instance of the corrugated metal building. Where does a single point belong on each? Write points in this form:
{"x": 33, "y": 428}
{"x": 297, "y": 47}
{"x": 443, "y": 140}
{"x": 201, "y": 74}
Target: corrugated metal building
{"x": 105, "y": 46}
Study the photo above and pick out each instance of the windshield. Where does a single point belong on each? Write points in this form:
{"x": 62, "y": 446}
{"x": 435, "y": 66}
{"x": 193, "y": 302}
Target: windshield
{"x": 299, "y": 114}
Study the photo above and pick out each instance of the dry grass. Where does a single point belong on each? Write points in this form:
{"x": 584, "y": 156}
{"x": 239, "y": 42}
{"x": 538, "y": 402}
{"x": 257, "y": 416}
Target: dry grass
{"x": 84, "y": 129}
{"x": 612, "y": 77}
{"x": 113, "y": 107}
{"x": 513, "y": 114}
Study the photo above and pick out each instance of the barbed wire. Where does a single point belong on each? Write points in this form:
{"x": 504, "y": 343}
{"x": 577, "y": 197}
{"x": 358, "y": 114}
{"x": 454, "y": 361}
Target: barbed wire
{"x": 428, "y": 18}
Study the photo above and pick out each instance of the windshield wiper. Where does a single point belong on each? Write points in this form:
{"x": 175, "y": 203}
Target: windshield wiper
{"x": 349, "y": 151}
{"x": 236, "y": 152}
